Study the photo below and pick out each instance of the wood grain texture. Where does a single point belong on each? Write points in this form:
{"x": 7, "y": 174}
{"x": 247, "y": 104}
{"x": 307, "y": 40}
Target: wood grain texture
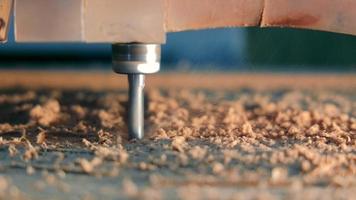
{"x": 326, "y": 15}
{"x": 144, "y": 21}
{"x": 124, "y": 21}
{"x": 48, "y": 20}
{"x": 5, "y": 10}
{"x": 186, "y": 14}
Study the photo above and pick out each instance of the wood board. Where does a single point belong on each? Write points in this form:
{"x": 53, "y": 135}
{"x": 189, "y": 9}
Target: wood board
{"x": 114, "y": 21}
{"x": 5, "y": 10}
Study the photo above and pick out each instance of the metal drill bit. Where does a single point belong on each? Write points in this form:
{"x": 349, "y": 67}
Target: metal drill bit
{"x": 135, "y": 60}
{"x": 136, "y": 106}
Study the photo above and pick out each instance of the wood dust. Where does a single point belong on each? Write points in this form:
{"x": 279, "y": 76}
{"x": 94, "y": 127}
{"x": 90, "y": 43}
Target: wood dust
{"x": 231, "y": 144}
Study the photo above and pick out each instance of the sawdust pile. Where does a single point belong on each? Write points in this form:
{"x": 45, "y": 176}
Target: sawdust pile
{"x": 308, "y": 134}
{"x": 198, "y": 142}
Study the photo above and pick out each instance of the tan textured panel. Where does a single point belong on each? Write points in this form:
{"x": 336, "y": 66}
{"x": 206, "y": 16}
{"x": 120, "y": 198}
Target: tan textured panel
{"x": 48, "y": 20}
{"x": 329, "y": 15}
{"x": 147, "y": 21}
{"x": 124, "y": 21}
{"x": 193, "y": 14}
{"x": 5, "y": 10}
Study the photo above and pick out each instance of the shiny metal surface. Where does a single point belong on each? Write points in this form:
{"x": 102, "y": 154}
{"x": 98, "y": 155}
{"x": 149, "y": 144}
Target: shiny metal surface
{"x": 135, "y": 60}
{"x": 136, "y": 106}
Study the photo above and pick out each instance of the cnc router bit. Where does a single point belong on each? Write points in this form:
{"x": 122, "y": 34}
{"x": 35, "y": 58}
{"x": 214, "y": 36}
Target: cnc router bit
{"x": 136, "y": 60}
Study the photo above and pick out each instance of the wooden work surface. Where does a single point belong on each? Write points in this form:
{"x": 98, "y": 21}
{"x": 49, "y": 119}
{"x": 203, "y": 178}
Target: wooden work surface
{"x": 217, "y": 136}
{"x": 214, "y": 80}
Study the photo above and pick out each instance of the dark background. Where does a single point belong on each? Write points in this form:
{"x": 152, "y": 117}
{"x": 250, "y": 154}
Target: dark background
{"x": 240, "y": 49}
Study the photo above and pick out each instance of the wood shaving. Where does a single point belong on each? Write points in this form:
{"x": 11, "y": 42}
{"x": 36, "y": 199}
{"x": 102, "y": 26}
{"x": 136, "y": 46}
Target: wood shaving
{"x": 5, "y": 128}
{"x": 89, "y": 166}
{"x": 217, "y": 168}
{"x": 41, "y": 137}
{"x": 79, "y": 111}
{"x": 12, "y": 150}
{"x": 245, "y": 143}
{"x": 198, "y": 153}
{"x": 31, "y": 152}
{"x": 47, "y": 113}
{"x": 178, "y": 144}
{"x": 279, "y": 176}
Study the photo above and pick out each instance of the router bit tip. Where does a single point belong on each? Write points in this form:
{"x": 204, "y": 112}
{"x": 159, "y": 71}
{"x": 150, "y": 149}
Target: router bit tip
{"x": 136, "y": 106}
